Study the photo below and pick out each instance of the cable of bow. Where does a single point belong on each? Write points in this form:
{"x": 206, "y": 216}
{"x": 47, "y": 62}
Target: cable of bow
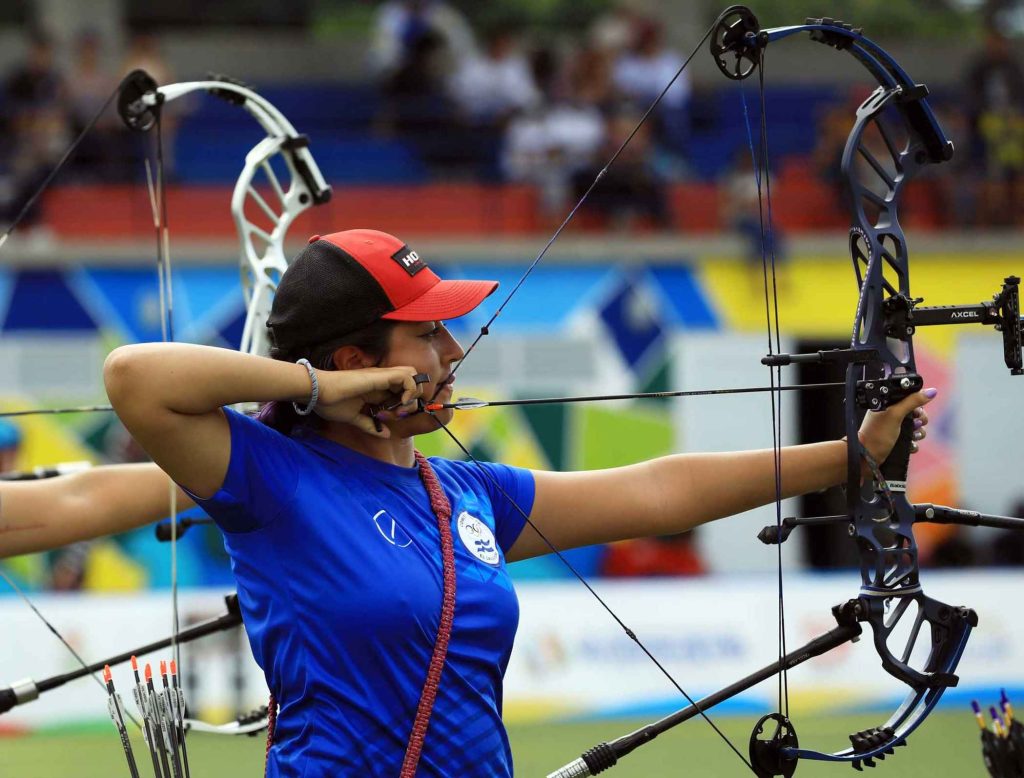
{"x": 485, "y": 330}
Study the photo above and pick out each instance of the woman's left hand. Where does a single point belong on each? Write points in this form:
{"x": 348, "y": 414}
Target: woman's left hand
{"x": 881, "y": 429}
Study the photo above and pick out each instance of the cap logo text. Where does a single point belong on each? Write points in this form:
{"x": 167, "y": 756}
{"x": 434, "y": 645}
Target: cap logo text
{"x": 410, "y": 261}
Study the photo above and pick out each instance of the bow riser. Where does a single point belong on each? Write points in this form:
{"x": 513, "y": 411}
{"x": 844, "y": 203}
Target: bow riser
{"x": 883, "y": 520}
{"x": 882, "y": 516}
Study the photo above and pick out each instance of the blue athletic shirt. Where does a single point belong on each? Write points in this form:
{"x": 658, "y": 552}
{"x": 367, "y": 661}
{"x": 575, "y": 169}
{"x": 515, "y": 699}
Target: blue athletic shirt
{"x": 338, "y": 563}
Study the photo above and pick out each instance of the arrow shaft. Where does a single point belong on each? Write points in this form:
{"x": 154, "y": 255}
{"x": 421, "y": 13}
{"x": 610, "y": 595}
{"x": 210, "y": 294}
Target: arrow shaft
{"x": 636, "y": 396}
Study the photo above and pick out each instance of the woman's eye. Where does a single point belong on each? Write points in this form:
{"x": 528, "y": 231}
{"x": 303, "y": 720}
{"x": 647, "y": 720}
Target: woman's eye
{"x": 433, "y": 332}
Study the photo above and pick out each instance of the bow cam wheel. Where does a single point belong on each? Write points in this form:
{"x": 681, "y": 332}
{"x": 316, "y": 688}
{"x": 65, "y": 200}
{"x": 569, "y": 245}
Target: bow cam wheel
{"x": 766, "y": 754}
{"x": 134, "y": 112}
{"x": 735, "y": 44}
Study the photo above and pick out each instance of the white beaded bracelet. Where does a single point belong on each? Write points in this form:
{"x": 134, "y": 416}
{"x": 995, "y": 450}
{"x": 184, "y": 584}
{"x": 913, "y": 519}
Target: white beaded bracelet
{"x": 314, "y": 395}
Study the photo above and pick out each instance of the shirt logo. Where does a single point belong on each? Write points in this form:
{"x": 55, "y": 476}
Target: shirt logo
{"x": 390, "y": 531}
{"x": 478, "y": 538}
{"x": 410, "y": 261}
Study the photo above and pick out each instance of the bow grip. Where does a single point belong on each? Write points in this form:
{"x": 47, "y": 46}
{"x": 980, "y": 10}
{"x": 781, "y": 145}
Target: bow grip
{"x": 895, "y": 467}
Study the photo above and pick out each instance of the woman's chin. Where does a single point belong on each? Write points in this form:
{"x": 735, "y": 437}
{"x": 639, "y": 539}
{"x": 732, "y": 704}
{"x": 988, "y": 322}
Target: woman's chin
{"x": 420, "y": 424}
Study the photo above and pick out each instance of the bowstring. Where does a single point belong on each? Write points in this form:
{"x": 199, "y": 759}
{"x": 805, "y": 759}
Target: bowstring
{"x": 486, "y": 328}
{"x": 777, "y": 382}
{"x": 762, "y": 177}
{"x": 158, "y": 201}
{"x": 65, "y": 157}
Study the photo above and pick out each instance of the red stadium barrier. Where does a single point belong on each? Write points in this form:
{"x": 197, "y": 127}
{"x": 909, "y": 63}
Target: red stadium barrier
{"x": 800, "y": 203}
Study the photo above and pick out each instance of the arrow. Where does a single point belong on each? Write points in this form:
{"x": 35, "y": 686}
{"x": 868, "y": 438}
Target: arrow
{"x": 472, "y": 403}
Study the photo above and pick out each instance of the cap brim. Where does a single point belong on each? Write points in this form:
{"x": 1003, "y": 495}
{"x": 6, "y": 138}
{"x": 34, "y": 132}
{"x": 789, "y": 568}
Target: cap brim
{"x": 447, "y": 299}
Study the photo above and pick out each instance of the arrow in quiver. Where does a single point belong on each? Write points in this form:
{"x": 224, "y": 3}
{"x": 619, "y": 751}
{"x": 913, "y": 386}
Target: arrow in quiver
{"x": 995, "y": 752}
{"x": 1015, "y": 749}
{"x": 1002, "y": 744}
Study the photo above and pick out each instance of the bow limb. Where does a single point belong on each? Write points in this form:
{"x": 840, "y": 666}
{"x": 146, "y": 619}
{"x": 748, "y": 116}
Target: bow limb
{"x": 262, "y": 220}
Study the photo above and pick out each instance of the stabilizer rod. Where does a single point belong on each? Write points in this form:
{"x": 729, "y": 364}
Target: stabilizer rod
{"x": 28, "y": 690}
{"x": 924, "y": 512}
{"x": 605, "y": 755}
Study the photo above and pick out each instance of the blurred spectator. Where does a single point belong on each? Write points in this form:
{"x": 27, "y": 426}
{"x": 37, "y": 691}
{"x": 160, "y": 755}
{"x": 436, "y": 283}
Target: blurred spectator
{"x": 742, "y": 212}
{"x": 644, "y": 70}
{"x": 401, "y": 26}
{"x": 144, "y": 54}
{"x": 36, "y": 129}
{"x": 551, "y": 144}
{"x": 630, "y": 193}
{"x": 613, "y": 31}
{"x": 953, "y": 551}
{"x": 37, "y": 82}
{"x": 433, "y": 81}
{"x": 93, "y": 82}
{"x": 100, "y": 155}
{"x": 955, "y": 185}
{"x": 419, "y": 110}
{"x": 490, "y": 87}
{"x": 591, "y": 73}
{"x": 995, "y": 109}
{"x": 833, "y": 131}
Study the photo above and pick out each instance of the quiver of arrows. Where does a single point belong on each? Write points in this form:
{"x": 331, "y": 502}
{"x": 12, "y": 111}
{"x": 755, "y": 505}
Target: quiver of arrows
{"x": 1004, "y": 755}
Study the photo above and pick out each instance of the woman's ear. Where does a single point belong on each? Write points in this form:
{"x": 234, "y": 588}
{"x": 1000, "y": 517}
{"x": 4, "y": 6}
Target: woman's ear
{"x": 351, "y": 358}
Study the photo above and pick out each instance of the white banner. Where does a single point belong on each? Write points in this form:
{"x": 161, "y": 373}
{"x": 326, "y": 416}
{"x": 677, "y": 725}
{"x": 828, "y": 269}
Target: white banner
{"x": 570, "y": 658}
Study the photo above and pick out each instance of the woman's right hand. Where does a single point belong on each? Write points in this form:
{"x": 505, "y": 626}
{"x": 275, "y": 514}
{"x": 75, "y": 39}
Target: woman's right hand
{"x": 345, "y": 393}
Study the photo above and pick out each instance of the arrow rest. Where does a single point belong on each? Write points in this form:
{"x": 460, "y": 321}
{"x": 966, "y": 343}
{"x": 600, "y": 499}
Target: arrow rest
{"x": 767, "y": 756}
{"x": 737, "y": 33}
{"x": 131, "y": 103}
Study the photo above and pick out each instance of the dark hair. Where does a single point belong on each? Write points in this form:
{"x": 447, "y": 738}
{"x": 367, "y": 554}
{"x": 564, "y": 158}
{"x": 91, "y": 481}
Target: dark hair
{"x": 374, "y": 340}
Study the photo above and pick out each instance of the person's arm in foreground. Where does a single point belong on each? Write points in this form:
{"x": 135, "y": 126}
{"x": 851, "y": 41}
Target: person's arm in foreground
{"x": 169, "y": 396}
{"x": 53, "y": 512}
{"x": 676, "y": 493}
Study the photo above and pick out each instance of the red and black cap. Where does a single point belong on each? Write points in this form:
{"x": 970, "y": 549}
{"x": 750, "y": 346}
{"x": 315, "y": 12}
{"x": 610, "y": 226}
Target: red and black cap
{"x": 345, "y": 281}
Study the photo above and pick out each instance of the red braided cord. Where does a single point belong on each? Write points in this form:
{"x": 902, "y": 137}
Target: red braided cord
{"x": 443, "y": 511}
{"x": 271, "y": 724}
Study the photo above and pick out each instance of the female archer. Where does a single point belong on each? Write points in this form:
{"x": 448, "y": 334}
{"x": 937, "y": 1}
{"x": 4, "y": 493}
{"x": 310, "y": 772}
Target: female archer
{"x": 372, "y": 580}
